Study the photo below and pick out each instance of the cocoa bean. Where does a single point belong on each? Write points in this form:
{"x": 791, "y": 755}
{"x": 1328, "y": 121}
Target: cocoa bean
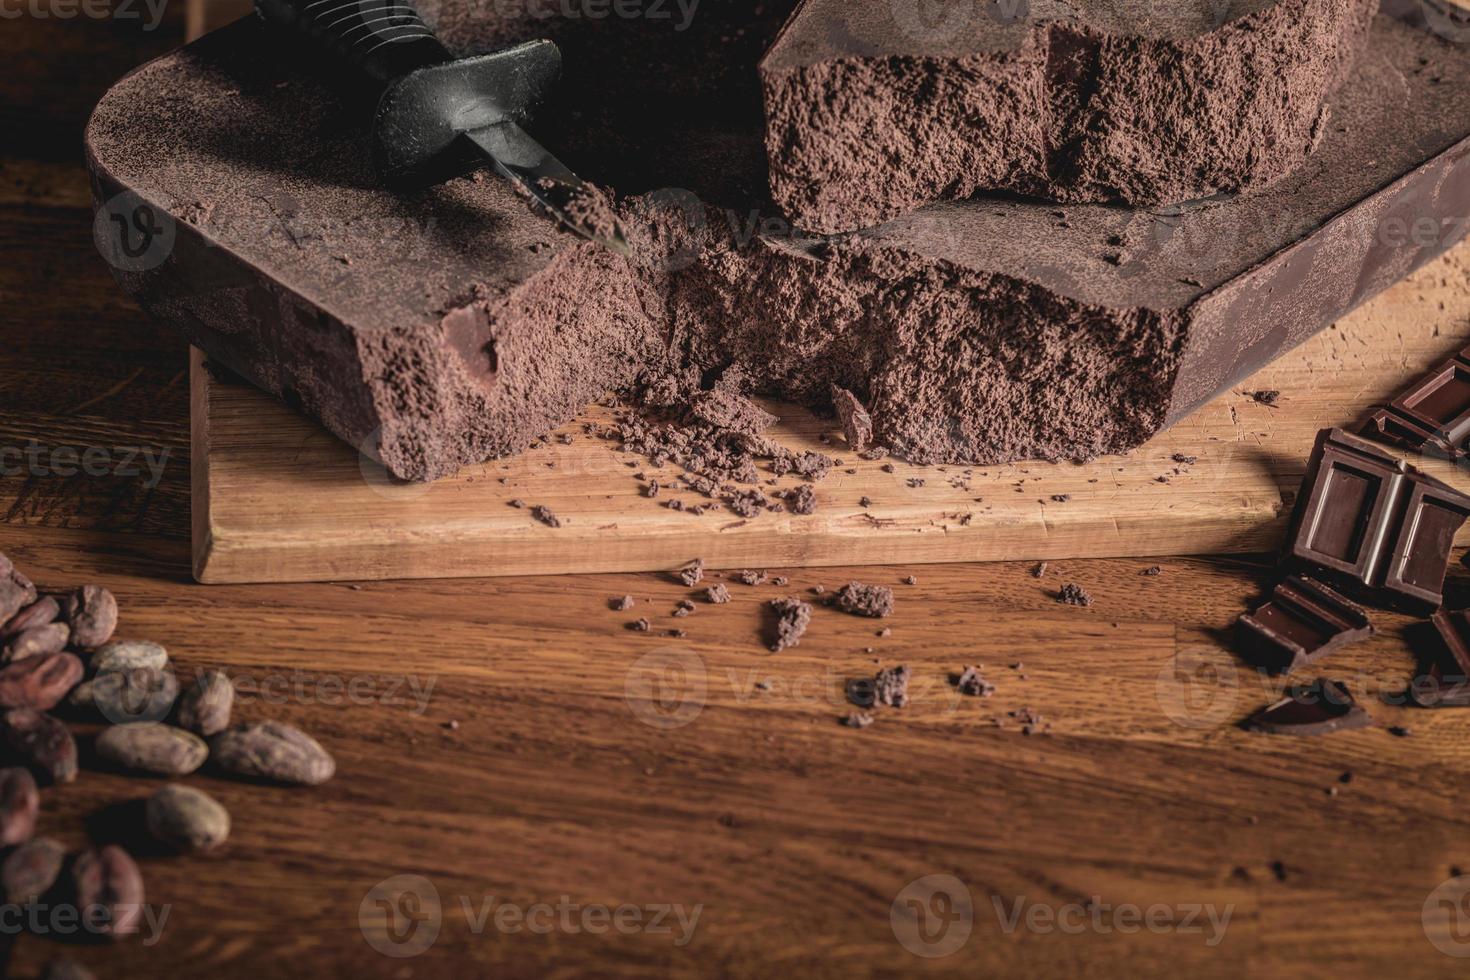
{"x": 152, "y": 747}
{"x": 66, "y": 969}
{"x": 16, "y": 591}
{"x": 37, "y": 642}
{"x": 42, "y": 743}
{"x": 38, "y": 613}
{"x": 39, "y": 682}
{"x": 20, "y": 804}
{"x": 187, "y": 818}
{"x": 128, "y": 654}
{"x": 109, "y": 891}
{"x": 205, "y": 707}
{"x": 80, "y": 699}
{"x": 273, "y": 750}
{"x": 30, "y": 870}
{"x": 134, "y": 694}
{"x": 92, "y": 612}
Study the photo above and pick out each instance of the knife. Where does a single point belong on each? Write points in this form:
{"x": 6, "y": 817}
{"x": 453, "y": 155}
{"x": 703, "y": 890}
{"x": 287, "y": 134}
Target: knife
{"x": 437, "y": 116}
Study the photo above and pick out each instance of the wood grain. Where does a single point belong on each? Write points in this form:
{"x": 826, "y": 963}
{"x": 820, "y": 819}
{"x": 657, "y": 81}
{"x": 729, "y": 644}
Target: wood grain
{"x": 277, "y": 498}
{"x": 793, "y": 834}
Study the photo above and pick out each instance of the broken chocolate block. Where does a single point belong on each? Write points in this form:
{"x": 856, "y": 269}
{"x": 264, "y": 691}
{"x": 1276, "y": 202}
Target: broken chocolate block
{"x": 876, "y": 107}
{"x": 857, "y": 424}
{"x": 1372, "y": 525}
{"x": 1433, "y": 416}
{"x": 1303, "y": 622}
{"x": 1446, "y": 683}
{"x": 1318, "y": 708}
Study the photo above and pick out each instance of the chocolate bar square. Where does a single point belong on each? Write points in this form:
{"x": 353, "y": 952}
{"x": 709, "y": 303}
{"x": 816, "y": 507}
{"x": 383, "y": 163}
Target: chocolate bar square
{"x": 1302, "y": 622}
{"x": 1433, "y": 415}
{"x": 1373, "y": 525}
{"x": 1446, "y": 683}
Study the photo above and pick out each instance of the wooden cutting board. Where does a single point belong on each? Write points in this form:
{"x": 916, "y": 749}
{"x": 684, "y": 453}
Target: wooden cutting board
{"x": 277, "y": 498}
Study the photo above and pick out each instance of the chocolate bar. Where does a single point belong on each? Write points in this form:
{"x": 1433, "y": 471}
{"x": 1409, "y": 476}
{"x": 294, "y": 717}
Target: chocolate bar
{"x": 1374, "y": 526}
{"x": 1319, "y": 708}
{"x": 1303, "y": 622}
{"x": 1446, "y": 683}
{"x": 875, "y": 107}
{"x": 1433, "y": 416}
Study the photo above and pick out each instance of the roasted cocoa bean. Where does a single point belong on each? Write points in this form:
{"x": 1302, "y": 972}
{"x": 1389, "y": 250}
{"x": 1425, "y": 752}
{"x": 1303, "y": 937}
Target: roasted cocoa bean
{"x": 135, "y": 694}
{"x": 80, "y": 699}
{"x": 16, "y": 591}
{"x": 38, "y": 613}
{"x": 20, "y": 804}
{"x": 39, "y": 682}
{"x": 273, "y": 750}
{"x": 152, "y": 747}
{"x": 109, "y": 891}
{"x": 92, "y": 612}
{"x": 30, "y": 870}
{"x": 205, "y": 707}
{"x": 187, "y": 818}
{"x": 127, "y": 655}
{"x": 37, "y": 642}
{"x": 42, "y": 742}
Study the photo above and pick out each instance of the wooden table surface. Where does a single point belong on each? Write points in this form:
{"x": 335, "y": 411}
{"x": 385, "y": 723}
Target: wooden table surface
{"x": 577, "y": 798}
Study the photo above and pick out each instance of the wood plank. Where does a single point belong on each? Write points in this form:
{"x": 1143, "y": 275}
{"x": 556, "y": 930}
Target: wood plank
{"x": 279, "y": 499}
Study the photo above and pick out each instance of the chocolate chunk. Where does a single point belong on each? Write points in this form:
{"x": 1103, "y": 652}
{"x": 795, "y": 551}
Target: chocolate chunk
{"x": 725, "y": 409}
{"x": 640, "y": 626}
{"x": 1446, "y": 683}
{"x": 749, "y": 577}
{"x": 864, "y": 600}
{"x": 1072, "y": 594}
{"x": 857, "y": 424}
{"x": 717, "y": 594}
{"x": 857, "y": 719}
{"x": 792, "y": 617}
{"x": 684, "y": 608}
{"x": 802, "y": 499}
{"x": 1372, "y": 525}
{"x": 545, "y": 516}
{"x": 1433, "y": 415}
{"x": 1318, "y": 708}
{"x": 692, "y": 573}
{"x": 622, "y": 604}
{"x": 1303, "y": 622}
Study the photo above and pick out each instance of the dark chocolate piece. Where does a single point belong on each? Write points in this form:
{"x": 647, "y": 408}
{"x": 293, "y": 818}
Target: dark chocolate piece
{"x": 878, "y": 106}
{"x": 1432, "y": 416}
{"x": 1372, "y": 525}
{"x": 1318, "y": 708}
{"x": 424, "y": 327}
{"x": 1301, "y": 623}
{"x": 1446, "y": 682}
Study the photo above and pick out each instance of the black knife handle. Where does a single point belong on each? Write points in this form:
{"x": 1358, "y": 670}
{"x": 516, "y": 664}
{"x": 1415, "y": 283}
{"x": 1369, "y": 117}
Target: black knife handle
{"x": 385, "y": 39}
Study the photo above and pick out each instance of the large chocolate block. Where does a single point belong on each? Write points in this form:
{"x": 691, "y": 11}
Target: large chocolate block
{"x": 1433, "y": 416}
{"x": 1374, "y": 525}
{"x": 876, "y": 107}
{"x": 449, "y": 324}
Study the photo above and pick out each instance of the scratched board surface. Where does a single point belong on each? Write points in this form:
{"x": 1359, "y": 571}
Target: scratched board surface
{"x": 276, "y": 498}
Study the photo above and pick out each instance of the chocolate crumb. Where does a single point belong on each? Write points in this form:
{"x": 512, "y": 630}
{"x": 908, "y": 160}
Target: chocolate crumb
{"x": 692, "y": 573}
{"x": 857, "y": 719}
{"x": 887, "y": 468}
{"x": 676, "y": 634}
{"x": 717, "y": 594}
{"x": 545, "y": 516}
{"x": 910, "y": 580}
{"x": 1266, "y": 397}
{"x": 621, "y": 604}
{"x": 1038, "y": 570}
{"x": 640, "y": 626}
{"x": 650, "y": 489}
{"x": 749, "y": 577}
{"x": 780, "y": 581}
{"x": 792, "y": 618}
{"x": 1153, "y": 570}
{"x": 865, "y": 600}
{"x": 1182, "y": 458}
{"x": 971, "y": 683}
{"x": 885, "y": 631}
{"x": 891, "y": 686}
{"x": 802, "y": 499}
{"x": 1061, "y": 498}
{"x": 1400, "y": 731}
{"x": 1073, "y": 595}
{"x": 684, "y": 608}
{"x": 865, "y": 501}
{"x": 518, "y": 503}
